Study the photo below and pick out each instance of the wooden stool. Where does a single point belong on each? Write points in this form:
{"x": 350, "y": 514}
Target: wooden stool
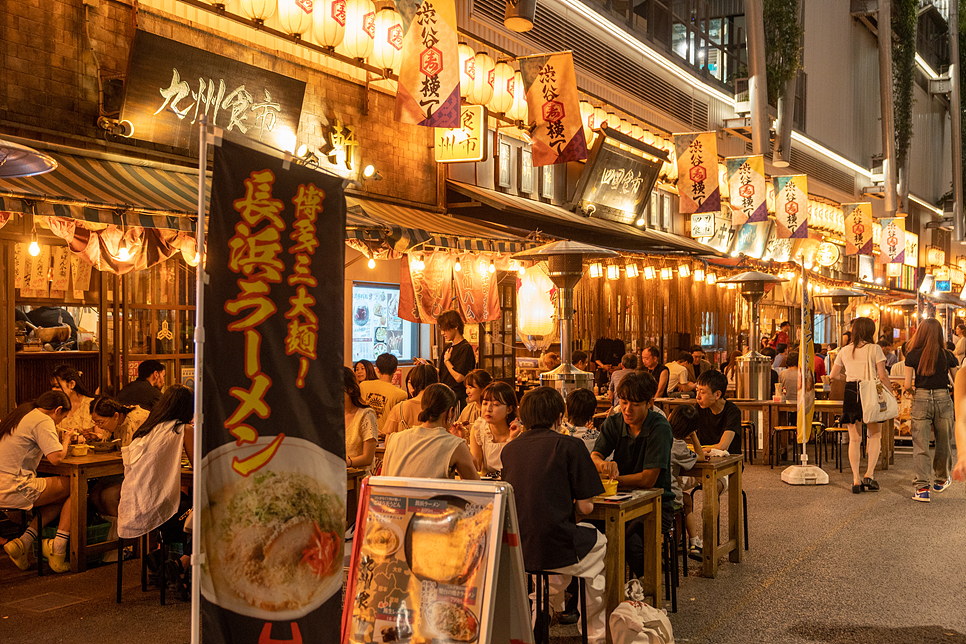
{"x": 750, "y": 432}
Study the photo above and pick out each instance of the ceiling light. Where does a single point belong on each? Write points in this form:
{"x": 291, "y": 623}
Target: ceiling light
{"x": 457, "y": 266}
{"x": 613, "y": 272}
{"x": 666, "y": 273}
{"x": 372, "y": 263}
{"x": 631, "y": 270}
{"x": 699, "y": 275}
{"x": 684, "y": 270}
{"x": 649, "y": 272}
{"x": 492, "y": 267}
{"x": 596, "y": 270}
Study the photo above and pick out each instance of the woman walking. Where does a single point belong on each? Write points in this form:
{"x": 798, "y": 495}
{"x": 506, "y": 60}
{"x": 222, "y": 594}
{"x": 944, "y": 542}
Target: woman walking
{"x": 930, "y": 365}
{"x": 854, "y": 360}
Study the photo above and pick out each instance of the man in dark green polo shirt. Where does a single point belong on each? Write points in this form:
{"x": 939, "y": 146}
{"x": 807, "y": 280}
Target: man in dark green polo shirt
{"x": 639, "y": 439}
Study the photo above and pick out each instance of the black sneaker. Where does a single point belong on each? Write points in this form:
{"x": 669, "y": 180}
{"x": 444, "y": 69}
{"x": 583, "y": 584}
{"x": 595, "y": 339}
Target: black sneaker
{"x": 571, "y": 616}
{"x": 695, "y": 553}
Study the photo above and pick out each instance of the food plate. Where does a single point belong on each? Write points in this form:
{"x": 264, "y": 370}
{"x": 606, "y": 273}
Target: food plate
{"x": 381, "y": 334}
{"x": 361, "y": 316}
{"x": 379, "y": 348}
{"x": 446, "y": 547}
{"x": 454, "y": 622}
{"x": 273, "y": 540}
{"x": 382, "y": 538}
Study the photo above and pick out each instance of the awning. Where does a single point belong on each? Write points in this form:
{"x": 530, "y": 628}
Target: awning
{"x": 519, "y": 214}
{"x": 408, "y": 227}
{"x": 121, "y": 193}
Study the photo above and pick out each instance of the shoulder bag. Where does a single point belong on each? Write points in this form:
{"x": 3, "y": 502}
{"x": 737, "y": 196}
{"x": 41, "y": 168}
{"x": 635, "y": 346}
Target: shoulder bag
{"x": 878, "y": 403}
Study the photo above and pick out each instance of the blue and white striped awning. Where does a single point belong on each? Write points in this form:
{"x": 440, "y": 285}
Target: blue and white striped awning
{"x": 116, "y": 192}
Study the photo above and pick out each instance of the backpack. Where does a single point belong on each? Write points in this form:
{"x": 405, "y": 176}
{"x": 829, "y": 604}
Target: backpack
{"x": 635, "y": 622}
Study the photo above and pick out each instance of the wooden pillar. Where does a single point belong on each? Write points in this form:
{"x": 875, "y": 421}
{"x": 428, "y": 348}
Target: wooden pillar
{"x": 8, "y": 378}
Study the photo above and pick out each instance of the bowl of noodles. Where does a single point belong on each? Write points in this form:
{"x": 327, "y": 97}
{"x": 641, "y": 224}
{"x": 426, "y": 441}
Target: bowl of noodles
{"x": 273, "y": 540}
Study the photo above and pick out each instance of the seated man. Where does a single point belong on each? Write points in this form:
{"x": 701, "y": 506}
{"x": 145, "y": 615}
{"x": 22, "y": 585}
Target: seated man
{"x": 640, "y": 440}
{"x": 651, "y": 363}
{"x": 146, "y": 390}
{"x": 581, "y": 360}
{"x": 554, "y": 480}
{"x": 719, "y": 420}
{"x": 628, "y": 365}
{"x": 678, "y": 371}
{"x": 380, "y": 394}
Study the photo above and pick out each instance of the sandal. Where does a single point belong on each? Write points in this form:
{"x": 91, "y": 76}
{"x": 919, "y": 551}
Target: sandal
{"x": 870, "y": 484}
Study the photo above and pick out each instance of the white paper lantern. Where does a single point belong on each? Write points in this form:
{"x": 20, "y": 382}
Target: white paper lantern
{"x": 518, "y": 110}
{"x": 295, "y": 16}
{"x": 482, "y": 90}
{"x": 328, "y": 22}
{"x": 535, "y": 309}
{"x": 388, "y": 44}
{"x": 467, "y": 69}
{"x": 360, "y": 28}
{"x": 587, "y": 121}
{"x": 502, "y": 88}
{"x": 258, "y": 10}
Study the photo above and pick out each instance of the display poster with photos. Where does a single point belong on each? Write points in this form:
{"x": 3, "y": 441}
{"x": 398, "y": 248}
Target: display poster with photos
{"x": 376, "y": 325}
{"x": 436, "y": 561}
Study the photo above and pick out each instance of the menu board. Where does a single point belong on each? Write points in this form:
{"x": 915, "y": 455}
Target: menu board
{"x": 425, "y": 565}
{"x": 376, "y": 325}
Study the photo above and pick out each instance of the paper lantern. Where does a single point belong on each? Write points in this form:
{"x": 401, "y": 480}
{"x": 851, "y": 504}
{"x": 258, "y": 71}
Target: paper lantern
{"x": 535, "y": 309}
{"x": 599, "y": 117}
{"x": 613, "y": 271}
{"x": 624, "y": 126}
{"x": 684, "y": 270}
{"x": 587, "y": 121}
{"x": 295, "y": 16}
{"x": 613, "y": 121}
{"x": 258, "y": 10}
{"x": 388, "y": 42}
{"x": 935, "y": 256}
{"x": 467, "y": 69}
{"x": 360, "y": 28}
{"x": 637, "y": 132}
{"x": 503, "y": 85}
{"x": 699, "y": 275}
{"x": 596, "y": 270}
{"x": 328, "y": 22}
{"x": 482, "y": 89}
{"x": 649, "y": 273}
{"x": 666, "y": 273}
{"x": 518, "y": 110}
{"x": 631, "y": 270}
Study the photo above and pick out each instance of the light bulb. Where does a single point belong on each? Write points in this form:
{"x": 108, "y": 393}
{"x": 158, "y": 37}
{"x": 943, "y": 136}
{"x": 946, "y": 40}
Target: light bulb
{"x": 457, "y": 266}
{"x": 368, "y": 171}
{"x": 640, "y": 222}
{"x": 521, "y": 271}
{"x": 197, "y": 259}
{"x": 492, "y": 268}
{"x": 372, "y": 263}
{"x": 34, "y": 248}
{"x": 123, "y": 253}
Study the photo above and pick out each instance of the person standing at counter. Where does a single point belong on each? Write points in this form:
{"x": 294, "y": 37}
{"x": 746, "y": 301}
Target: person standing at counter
{"x": 26, "y": 435}
{"x": 67, "y": 379}
{"x": 457, "y": 358}
{"x": 146, "y": 390}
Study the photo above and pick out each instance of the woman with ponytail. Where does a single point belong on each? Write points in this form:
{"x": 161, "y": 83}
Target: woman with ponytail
{"x": 428, "y": 450}
{"x": 68, "y": 379}
{"x": 26, "y": 435}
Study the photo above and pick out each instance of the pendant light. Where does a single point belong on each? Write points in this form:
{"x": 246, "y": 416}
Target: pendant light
{"x": 388, "y": 43}
{"x": 467, "y": 69}
{"x": 328, "y": 22}
{"x": 258, "y": 10}
{"x": 360, "y": 28}
{"x": 503, "y": 84}
{"x": 295, "y": 17}
{"x": 482, "y": 90}
{"x": 518, "y": 110}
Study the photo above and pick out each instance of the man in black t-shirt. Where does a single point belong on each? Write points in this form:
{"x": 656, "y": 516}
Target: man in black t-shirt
{"x": 719, "y": 420}
{"x": 457, "y": 358}
{"x": 553, "y": 481}
{"x": 651, "y": 363}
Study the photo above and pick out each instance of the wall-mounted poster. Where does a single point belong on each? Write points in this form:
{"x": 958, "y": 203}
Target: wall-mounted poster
{"x": 376, "y": 325}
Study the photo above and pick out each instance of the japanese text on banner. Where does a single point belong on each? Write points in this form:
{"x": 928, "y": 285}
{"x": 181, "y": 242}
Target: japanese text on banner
{"x": 553, "y": 108}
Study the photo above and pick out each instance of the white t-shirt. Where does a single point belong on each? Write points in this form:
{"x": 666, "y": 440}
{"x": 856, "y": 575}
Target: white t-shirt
{"x": 856, "y": 361}
{"x": 677, "y": 373}
{"x": 151, "y": 490}
{"x": 362, "y": 428}
{"x": 20, "y": 452}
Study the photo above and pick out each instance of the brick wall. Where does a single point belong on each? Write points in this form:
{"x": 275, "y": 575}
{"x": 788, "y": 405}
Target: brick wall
{"x": 50, "y": 92}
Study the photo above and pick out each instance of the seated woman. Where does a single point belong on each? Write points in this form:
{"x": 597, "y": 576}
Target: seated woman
{"x": 112, "y": 420}
{"x": 67, "y": 379}
{"x": 405, "y": 414}
{"x": 360, "y": 425}
{"x": 429, "y": 450}
{"x": 150, "y": 495}
{"x": 26, "y": 435}
{"x": 476, "y": 381}
{"x": 494, "y": 427}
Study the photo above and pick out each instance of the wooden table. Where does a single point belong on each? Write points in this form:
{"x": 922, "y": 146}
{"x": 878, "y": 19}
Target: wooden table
{"x": 644, "y": 505}
{"x": 760, "y": 411}
{"x": 709, "y": 472}
{"x": 82, "y": 469}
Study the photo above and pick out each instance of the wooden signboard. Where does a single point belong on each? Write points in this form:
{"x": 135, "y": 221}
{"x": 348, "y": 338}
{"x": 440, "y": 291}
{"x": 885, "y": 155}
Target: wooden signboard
{"x": 616, "y": 183}
{"x": 436, "y": 561}
{"x": 171, "y": 85}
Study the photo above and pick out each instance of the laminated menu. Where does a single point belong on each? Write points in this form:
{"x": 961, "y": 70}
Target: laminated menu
{"x": 431, "y": 563}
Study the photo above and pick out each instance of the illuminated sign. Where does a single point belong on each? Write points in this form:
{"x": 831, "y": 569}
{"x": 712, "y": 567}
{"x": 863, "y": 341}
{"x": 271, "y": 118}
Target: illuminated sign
{"x": 466, "y": 142}
{"x": 827, "y": 254}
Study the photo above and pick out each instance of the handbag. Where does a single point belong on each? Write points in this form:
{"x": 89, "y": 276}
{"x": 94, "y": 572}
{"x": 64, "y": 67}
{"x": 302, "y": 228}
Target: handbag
{"x": 878, "y": 403}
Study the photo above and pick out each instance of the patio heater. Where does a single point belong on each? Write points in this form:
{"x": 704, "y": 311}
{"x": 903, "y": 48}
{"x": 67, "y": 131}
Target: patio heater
{"x": 754, "y": 369}
{"x": 908, "y": 305}
{"x": 566, "y": 264}
{"x": 20, "y": 161}
{"x": 840, "y": 302}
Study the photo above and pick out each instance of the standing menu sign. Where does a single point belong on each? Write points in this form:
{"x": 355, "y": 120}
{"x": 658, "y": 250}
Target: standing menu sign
{"x": 273, "y": 448}
{"x": 436, "y": 561}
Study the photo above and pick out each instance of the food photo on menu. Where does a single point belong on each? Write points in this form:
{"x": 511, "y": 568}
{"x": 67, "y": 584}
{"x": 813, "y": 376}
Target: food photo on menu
{"x": 422, "y": 570}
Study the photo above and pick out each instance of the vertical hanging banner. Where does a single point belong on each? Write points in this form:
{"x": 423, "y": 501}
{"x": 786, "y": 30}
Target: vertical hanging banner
{"x": 554, "y": 108}
{"x": 697, "y": 156}
{"x": 806, "y": 364}
{"x": 428, "y": 92}
{"x": 426, "y": 292}
{"x": 858, "y": 228}
{"x": 476, "y": 288}
{"x": 791, "y": 206}
{"x": 747, "y": 187}
{"x": 273, "y": 440}
{"x": 893, "y": 242}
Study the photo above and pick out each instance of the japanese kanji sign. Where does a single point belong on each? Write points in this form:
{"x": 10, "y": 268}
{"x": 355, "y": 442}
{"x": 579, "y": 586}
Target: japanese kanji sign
{"x": 273, "y": 437}
{"x": 911, "y": 257}
{"x": 171, "y": 85}
{"x": 697, "y": 154}
{"x": 893, "y": 242}
{"x": 553, "y": 108}
{"x": 746, "y": 184}
{"x": 429, "y": 76}
{"x": 858, "y": 228}
{"x": 466, "y": 142}
{"x": 791, "y": 206}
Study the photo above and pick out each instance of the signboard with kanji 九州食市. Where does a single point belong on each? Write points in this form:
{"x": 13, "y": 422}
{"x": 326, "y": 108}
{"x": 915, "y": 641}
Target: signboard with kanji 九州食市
{"x": 170, "y": 86}
{"x": 466, "y": 142}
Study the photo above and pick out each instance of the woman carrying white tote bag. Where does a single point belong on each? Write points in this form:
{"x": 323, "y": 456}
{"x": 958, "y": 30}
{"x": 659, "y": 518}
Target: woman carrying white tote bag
{"x": 856, "y": 360}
